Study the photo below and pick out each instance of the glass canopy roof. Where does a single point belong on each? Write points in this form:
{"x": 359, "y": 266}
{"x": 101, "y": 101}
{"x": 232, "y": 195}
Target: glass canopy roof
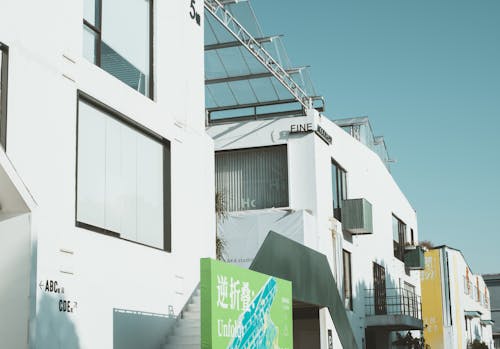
{"x": 237, "y": 84}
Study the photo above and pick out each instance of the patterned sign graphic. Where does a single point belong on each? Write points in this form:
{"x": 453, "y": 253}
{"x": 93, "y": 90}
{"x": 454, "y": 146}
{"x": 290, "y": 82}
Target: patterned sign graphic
{"x": 243, "y": 309}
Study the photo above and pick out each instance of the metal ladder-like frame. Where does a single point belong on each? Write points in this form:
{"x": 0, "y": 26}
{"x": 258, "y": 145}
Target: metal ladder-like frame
{"x": 257, "y": 50}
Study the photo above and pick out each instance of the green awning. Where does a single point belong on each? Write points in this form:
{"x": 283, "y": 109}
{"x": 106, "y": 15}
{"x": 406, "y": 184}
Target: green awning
{"x": 311, "y": 277}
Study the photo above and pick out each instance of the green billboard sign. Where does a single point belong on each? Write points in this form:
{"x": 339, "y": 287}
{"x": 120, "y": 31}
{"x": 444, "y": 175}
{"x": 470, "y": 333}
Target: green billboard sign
{"x": 243, "y": 309}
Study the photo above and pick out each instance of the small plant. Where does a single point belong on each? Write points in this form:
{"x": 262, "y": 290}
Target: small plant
{"x": 477, "y": 344}
{"x": 427, "y": 244}
{"x": 220, "y": 216}
{"x": 410, "y": 342}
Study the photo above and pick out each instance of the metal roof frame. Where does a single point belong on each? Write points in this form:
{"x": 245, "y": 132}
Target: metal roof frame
{"x": 257, "y": 50}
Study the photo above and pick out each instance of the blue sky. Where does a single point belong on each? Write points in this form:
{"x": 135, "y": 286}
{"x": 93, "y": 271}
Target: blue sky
{"x": 427, "y": 73}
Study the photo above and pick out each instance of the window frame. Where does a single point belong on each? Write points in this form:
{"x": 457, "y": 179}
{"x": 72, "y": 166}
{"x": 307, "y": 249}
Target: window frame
{"x": 341, "y": 189}
{"x": 4, "y": 78}
{"x": 399, "y": 246}
{"x": 349, "y": 255}
{"x": 98, "y": 31}
{"x": 167, "y": 171}
{"x": 255, "y": 149}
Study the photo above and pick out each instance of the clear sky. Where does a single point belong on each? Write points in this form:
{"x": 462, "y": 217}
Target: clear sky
{"x": 427, "y": 73}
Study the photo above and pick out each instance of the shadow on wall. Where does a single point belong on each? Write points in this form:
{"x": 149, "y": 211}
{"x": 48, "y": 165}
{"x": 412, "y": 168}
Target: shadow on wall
{"x": 55, "y": 329}
{"x": 358, "y": 311}
{"x": 368, "y": 302}
{"x": 134, "y": 329}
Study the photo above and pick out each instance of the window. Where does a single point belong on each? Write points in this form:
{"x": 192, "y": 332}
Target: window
{"x": 339, "y": 188}
{"x": 123, "y": 177}
{"x": 118, "y": 37}
{"x": 347, "y": 280}
{"x": 399, "y": 237}
{"x": 379, "y": 289}
{"x": 4, "y": 69}
{"x": 253, "y": 178}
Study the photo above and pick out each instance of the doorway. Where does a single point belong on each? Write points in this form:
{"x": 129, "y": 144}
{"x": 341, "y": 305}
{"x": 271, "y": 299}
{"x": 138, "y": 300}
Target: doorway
{"x": 306, "y": 334}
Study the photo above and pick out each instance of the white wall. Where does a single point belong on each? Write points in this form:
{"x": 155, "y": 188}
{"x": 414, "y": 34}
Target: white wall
{"x": 462, "y": 302}
{"x": 99, "y": 272}
{"x": 15, "y": 260}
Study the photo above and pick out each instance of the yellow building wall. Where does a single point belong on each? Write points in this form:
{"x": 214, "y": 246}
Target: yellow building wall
{"x": 432, "y": 300}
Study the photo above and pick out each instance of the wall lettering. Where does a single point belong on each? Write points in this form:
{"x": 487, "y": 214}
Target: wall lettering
{"x": 301, "y": 128}
{"x": 193, "y": 14}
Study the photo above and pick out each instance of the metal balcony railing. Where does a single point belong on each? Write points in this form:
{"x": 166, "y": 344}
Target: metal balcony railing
{"x": 393, "y": 301}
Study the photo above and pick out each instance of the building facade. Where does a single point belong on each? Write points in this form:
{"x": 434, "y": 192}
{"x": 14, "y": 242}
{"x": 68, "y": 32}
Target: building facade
{"x": 307, "y": 179}
{"x": 456, "y": 302}
{"x": 104, "y": 161}
{"x": 493, "y": 283}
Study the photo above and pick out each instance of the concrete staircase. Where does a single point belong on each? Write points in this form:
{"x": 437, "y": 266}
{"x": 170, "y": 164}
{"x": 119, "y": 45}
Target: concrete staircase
{"x": 187, "y": 332}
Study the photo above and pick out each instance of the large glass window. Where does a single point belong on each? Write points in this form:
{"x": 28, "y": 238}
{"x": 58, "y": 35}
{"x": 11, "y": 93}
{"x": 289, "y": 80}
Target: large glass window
{"x": 347, "y": 280}
{"x": 117, "y": 36}
{"x": 4, "y": 69}
{"x": 399, "y": 237}
{"x": 254, "y": 178}
{"x": 123, "y": 178}
{"x": 339, "y": 188}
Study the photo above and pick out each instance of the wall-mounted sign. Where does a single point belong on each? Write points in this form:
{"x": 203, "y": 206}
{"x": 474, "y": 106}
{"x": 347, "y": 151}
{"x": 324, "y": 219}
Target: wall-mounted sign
{"x": 54, "y": 286}
{"x": 308, "y": 127}
{"x": 241, "y": 308}
{"x": 320, "y": 131}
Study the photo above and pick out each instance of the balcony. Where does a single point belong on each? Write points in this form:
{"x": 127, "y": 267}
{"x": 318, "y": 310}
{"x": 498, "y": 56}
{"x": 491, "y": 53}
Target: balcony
{"x": 393, "y": 309}
{"x": 414, "y": 258}
{"x": 357, "y": 216}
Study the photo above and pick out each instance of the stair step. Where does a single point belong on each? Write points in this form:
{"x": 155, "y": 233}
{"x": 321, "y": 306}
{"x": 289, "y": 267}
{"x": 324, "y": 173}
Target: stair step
{"x": 191, "y": 315}
{"x": 186, "y": 339}
{"x": 188, "y": 331}
{"x": 194, "y": 307}
{"x": 188, "y": 323}
{"x": 185, "y": 346}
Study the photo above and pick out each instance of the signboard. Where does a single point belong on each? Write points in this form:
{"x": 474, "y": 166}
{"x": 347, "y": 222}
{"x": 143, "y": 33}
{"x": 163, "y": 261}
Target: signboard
{"x": 330, "y": 339}
{"x": 241, "y": 308}
{"x": 308, "y": 127}
{"x": 432, "y": 299}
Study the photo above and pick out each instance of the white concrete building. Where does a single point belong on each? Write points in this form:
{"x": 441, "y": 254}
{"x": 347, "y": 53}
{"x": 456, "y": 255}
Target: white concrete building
{"x": 306, "y": 178}
{"x": 340, "y": 224}
{"x": 456, "y": 302}
{"x": 106, "y": 172}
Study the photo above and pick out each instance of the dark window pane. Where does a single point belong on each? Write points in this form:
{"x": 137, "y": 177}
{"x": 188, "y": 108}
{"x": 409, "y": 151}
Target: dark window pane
{"x": 347, "y": 280}
{"x": 253, "y": 178}
{"x": 3, "y": 94}
{"x": 335, "y": 192}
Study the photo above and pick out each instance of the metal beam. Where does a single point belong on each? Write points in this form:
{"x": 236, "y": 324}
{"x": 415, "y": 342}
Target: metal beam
{"x": 227, "y": 20}
{"x": 238, "y": 43}
{"x": 226, "y": 2}
{"x": 251, "y": 105}
{"x": 248, "y": 77}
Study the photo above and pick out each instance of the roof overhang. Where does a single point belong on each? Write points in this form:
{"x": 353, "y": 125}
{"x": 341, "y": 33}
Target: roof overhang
{"x": 311, "y": 277}
{"x": 472, "y": 313}
{"x": 394, "y": 322}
